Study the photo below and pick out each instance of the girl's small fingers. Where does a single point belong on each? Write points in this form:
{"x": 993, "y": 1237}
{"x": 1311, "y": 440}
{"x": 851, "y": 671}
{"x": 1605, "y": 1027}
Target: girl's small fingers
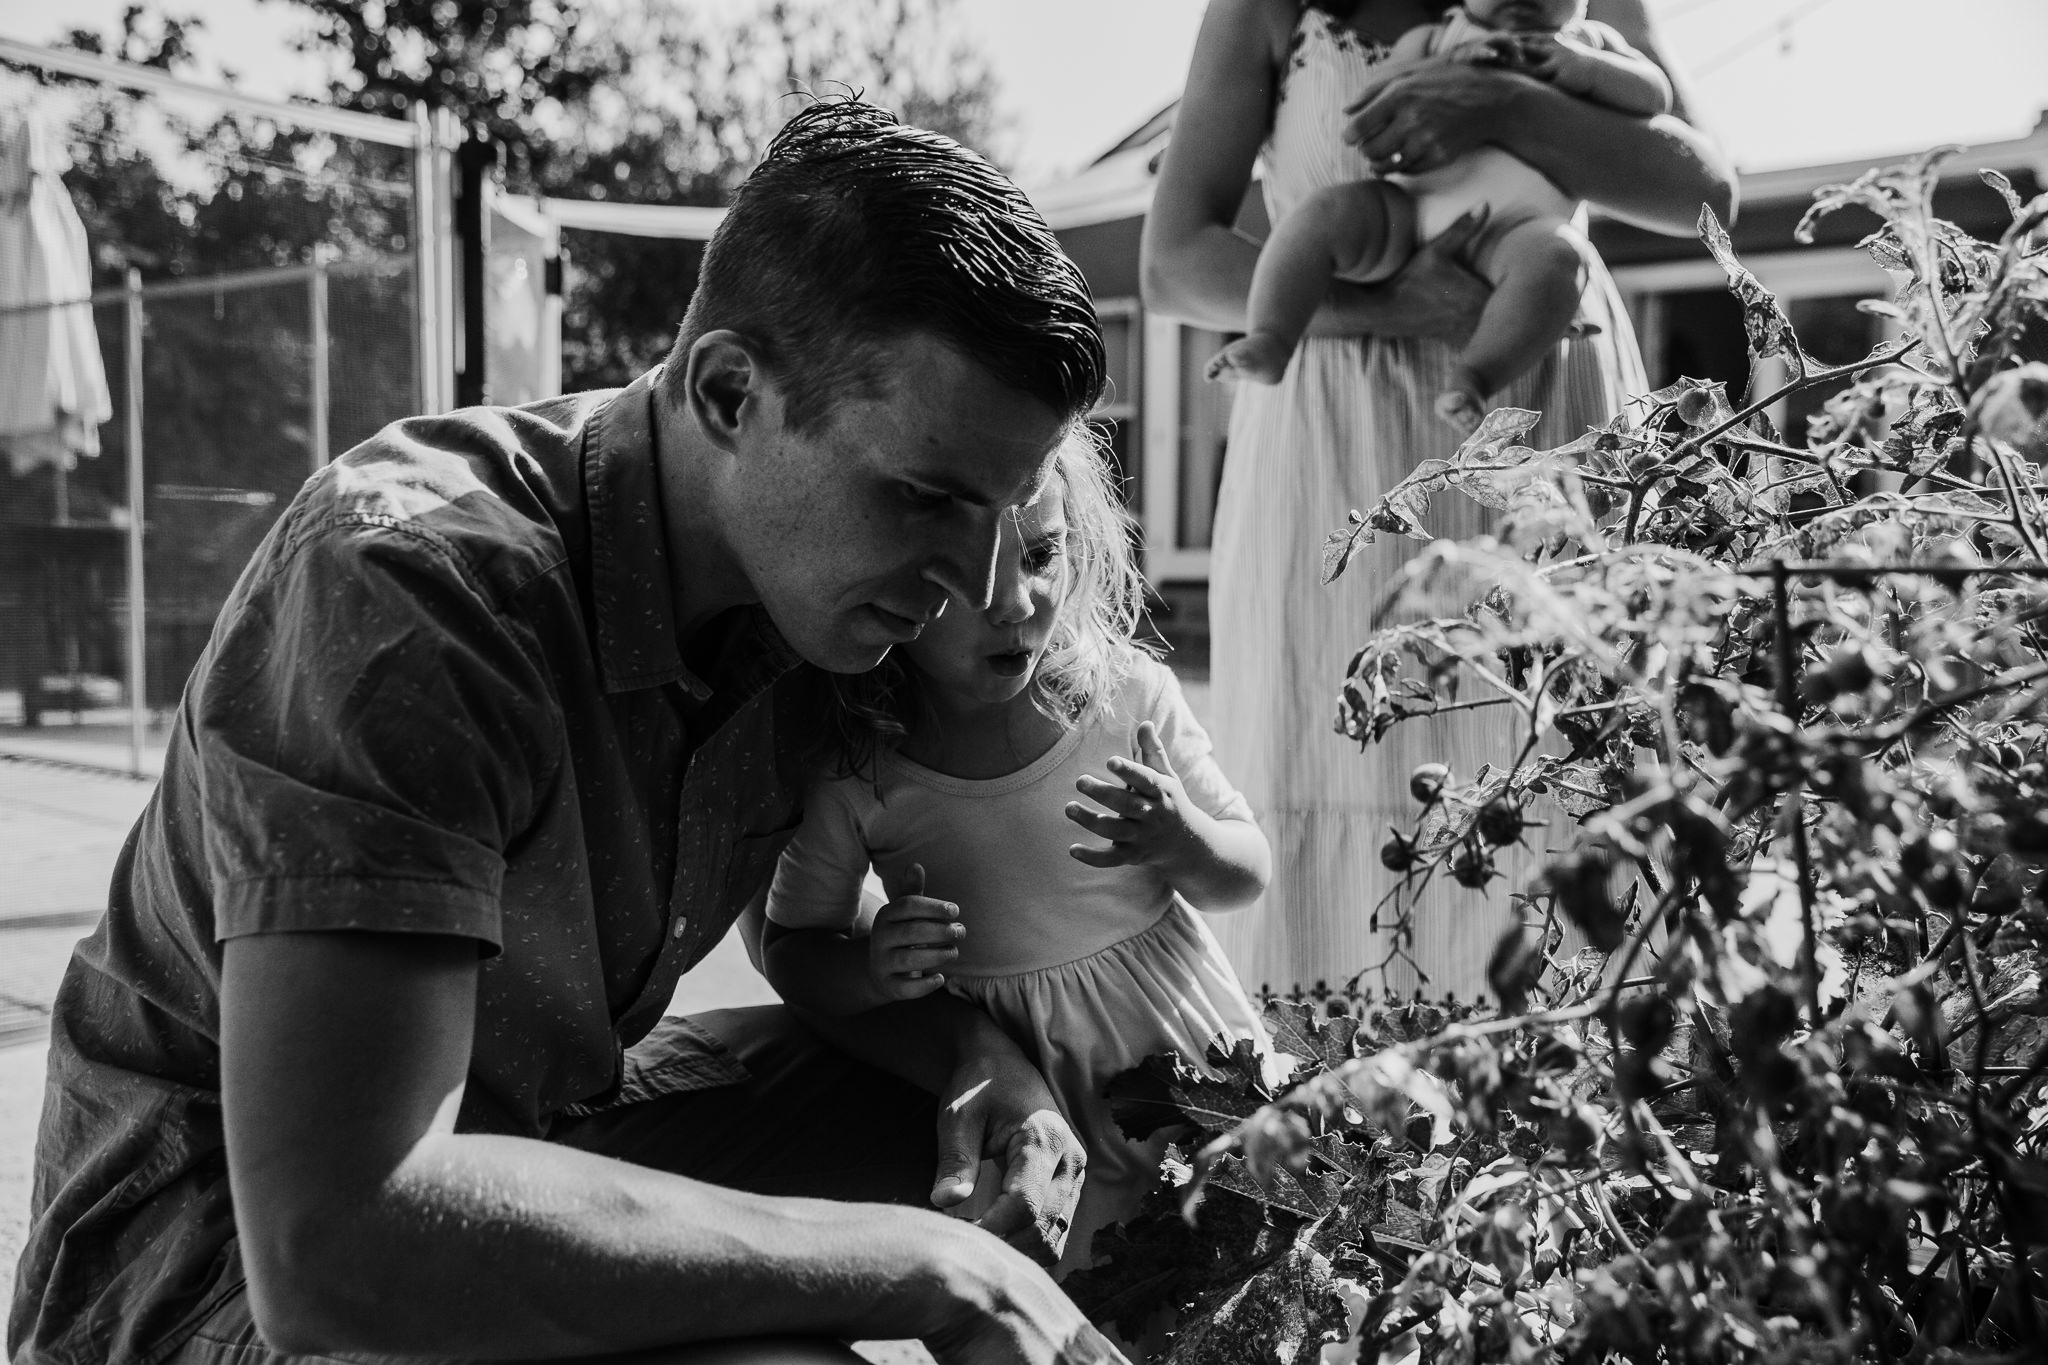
{"x": 928, "y": 934}
{"x": 1118, "y": 797}
{"x": 911, "y": 988}
{"x": 1114, "y": 828}
{"x": 921, "y": 960}
{"x": 1139, "y": 778}
{"x": 1151, "y": 751}
{"x": 911, "y": 909}
{"x": 1116, "y": 855}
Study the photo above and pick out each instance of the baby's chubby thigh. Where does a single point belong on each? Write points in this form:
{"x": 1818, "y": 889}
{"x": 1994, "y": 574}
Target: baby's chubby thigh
{"x": 1369, "y": 226}
{"x": 1533, "y": 246}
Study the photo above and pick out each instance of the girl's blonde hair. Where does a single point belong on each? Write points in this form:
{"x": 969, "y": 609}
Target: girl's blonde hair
{"x": 1093, "y": 646}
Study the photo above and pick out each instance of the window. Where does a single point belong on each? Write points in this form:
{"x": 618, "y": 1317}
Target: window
{"x": 1116, "y": 416}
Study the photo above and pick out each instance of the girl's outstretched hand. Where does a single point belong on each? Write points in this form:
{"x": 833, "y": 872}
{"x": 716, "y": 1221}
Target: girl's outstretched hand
{"x": 1148, "y": 817}
{"x": 913, "y": 940}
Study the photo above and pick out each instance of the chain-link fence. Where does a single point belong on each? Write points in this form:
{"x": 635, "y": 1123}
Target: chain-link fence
{"x": 259, "y": 295}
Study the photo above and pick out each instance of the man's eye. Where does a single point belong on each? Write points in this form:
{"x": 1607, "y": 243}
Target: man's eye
{"x": 919, "y": 496}
{"x": 1040, "y": 558}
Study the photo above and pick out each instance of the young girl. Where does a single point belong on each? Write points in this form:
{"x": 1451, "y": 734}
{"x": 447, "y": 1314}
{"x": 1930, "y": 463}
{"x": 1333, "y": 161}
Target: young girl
{"x": 966, "y": 755}
{"x": 1366, "y": 230}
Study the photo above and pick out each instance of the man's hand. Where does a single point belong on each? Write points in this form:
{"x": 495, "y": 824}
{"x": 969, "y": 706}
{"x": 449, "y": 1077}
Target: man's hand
{"x": 978, "y": 1302}
{"x": 913, "y": 940}
{"x": 997, "y": 1106}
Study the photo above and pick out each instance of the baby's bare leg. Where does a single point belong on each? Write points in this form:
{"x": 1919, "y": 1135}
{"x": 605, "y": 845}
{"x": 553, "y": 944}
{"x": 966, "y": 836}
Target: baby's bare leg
{"x": 1538, "y": 270}
{"x": 1362, "y": 231}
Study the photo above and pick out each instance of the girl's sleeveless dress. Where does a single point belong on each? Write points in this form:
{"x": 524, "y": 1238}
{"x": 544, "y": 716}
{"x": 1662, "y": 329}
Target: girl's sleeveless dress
{"x": 1090, "y": 969}
{"x": 1351, "y": 418}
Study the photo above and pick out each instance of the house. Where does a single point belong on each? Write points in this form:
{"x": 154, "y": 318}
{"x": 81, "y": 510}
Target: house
{"x": 1170, "y": 424}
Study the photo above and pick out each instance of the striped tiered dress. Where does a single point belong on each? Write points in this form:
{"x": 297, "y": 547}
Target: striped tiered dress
{"x": 1350, "y": 420}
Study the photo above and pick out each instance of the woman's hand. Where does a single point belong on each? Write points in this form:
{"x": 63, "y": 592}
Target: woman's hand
{"x": 1429, "y": 114}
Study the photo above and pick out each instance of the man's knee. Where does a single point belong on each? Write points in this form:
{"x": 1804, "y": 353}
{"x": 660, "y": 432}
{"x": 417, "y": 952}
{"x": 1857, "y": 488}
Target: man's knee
{"x": 807, "y": 1120}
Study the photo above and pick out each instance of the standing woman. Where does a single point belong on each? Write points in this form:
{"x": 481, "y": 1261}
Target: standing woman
{"x": 1276, "y": 80}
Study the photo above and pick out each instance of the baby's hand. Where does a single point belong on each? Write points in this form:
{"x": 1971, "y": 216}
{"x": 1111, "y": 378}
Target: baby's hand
{"x": 1496, "y": 49}
{"x": 913, "y": 937}
{"x": 1150, "y": 819}
{"x": 1563, "y": 62}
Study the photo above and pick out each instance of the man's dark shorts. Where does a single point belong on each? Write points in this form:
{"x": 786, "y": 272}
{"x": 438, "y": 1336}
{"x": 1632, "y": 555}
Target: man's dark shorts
{"x": 807, "y": 1121}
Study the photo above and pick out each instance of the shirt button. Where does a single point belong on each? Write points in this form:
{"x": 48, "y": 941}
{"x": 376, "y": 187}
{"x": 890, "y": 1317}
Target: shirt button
{"x": 681, "y": 926}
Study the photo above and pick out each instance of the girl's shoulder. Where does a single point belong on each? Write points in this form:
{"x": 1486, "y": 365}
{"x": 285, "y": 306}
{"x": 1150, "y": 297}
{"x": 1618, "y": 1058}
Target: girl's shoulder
{"x": 1149, "y": 691}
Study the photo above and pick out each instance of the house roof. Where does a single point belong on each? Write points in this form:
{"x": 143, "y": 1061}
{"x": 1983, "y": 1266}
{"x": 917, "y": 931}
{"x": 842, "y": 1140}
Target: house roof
{"x": 1119, "y": 183}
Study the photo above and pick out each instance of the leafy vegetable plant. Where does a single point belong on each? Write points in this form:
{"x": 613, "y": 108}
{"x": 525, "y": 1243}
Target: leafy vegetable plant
{"x": 1764, "y": 1080}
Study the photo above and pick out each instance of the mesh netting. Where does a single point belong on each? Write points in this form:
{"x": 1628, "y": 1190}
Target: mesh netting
{"x": 248, "y": 235}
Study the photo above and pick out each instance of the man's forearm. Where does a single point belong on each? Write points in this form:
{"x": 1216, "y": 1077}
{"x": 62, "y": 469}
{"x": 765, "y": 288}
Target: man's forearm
{"x": 678, "y": 1260}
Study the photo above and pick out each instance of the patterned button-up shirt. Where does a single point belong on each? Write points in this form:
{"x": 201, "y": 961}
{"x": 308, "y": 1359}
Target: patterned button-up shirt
{"x": 447, "y": 696}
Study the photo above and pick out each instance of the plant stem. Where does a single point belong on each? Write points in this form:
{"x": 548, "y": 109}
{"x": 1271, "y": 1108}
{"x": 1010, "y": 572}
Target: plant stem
{"x": 1802, "y": 856}
{"x": 1808, "y": 381}
{"x": 2012, "y": 494}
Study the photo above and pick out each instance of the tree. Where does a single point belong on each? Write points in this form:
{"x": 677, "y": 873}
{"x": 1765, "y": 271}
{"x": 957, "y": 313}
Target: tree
{"x": 645, "y": 103}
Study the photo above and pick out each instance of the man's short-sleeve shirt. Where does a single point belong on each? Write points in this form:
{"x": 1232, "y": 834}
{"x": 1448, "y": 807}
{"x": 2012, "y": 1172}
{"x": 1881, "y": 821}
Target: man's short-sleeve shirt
{"x": 447, "y": 696}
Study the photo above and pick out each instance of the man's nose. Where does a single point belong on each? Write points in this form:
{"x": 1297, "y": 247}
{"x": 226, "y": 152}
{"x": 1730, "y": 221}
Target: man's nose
{"x": 964, "y": 561}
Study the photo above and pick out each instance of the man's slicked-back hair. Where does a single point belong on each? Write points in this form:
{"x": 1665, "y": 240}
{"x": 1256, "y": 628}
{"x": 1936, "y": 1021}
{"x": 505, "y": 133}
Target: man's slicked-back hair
{"x": 856, "y": 230}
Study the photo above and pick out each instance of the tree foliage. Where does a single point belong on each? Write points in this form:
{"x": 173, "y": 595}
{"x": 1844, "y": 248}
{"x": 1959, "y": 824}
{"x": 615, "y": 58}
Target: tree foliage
{"x": 637, "y": 103}
{"x": 1786, "y": 750}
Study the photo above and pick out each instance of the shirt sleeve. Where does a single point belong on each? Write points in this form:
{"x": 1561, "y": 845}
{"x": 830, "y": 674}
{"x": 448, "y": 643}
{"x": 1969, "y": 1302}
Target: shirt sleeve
{"x": 818, "y": 881}
{"x": 1192, "y": 755}
{"x": 371, "y": 735}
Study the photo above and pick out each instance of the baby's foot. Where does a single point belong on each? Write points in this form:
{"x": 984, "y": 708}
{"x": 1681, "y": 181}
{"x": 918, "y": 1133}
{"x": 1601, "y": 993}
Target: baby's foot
{"x": 1259, "y": 356}
{"x": 1462, "y": 409}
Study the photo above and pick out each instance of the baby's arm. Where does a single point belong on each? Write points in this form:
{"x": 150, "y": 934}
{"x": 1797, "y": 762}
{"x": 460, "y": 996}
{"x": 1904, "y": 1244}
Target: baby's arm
{"x": 1596, "y": 63}
{"x": 1411, "y": 48}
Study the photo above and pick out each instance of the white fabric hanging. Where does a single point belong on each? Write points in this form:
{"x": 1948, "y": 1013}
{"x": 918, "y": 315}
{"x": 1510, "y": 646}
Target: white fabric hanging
{"x": 53, "y": 385}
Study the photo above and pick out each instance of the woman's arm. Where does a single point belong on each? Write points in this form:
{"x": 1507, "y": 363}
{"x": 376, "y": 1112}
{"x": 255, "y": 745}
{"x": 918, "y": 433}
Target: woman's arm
{"x": 1197, "y": 267}
{"x": 1655, "y": 173}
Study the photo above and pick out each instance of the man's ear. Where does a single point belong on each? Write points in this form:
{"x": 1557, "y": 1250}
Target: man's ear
{"x": 725, "y": 386}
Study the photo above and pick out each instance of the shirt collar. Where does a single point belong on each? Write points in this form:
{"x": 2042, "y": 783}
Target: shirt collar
{"x": 632, "y": 583}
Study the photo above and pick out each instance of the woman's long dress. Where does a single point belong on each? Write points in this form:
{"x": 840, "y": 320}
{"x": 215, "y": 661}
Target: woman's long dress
{"x": 1349, "y": 421}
